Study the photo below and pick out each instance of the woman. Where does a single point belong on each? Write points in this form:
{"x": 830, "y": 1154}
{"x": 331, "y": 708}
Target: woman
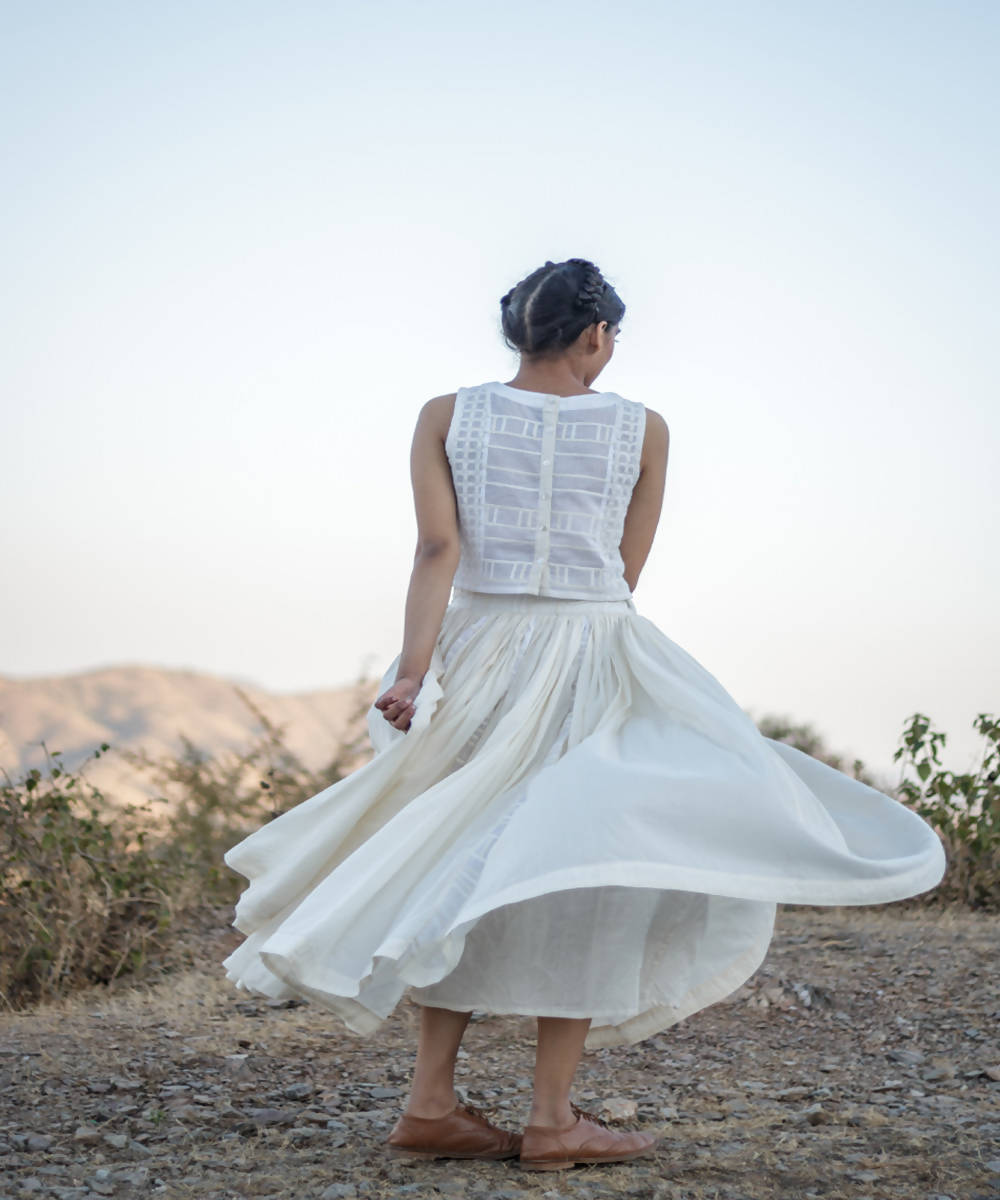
{"x": 566, "y": 815}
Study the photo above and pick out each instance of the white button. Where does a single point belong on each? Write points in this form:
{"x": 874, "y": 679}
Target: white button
{"x": 544, "y": 527}
{"x": 539, "y": 560}
{"x": 546, "y": 461}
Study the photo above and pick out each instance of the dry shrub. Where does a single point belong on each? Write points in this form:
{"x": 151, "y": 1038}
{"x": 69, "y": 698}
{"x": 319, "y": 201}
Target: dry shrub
{"x": 81, "y": 897}
{"x": 210, "y": 802}
{"x": 802, "y": 735}
{"x": 90, "y": 891}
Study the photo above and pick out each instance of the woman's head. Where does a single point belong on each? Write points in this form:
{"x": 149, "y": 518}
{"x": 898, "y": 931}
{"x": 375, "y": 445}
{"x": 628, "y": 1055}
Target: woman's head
{"x": 544, "y": 314}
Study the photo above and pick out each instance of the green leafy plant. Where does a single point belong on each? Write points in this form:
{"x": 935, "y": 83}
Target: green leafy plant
{"x": 964, "y": 807}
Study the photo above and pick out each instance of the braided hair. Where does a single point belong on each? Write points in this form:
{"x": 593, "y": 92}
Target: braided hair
{"x": 549, "y": 309}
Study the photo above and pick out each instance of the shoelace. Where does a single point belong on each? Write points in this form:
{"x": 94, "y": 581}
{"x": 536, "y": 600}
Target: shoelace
{"x": 477, "y": 1112}
{"x": 589, "y": 1115}
{"x": 574, "y": 1108}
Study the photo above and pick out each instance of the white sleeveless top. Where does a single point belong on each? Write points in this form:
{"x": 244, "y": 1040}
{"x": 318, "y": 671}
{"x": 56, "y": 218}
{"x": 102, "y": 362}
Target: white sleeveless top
{"x": 543, "y": 484}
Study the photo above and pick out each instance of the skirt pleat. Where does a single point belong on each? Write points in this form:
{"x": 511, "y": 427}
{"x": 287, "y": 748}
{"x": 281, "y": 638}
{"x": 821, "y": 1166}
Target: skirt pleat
{"x": 579, "y": 822}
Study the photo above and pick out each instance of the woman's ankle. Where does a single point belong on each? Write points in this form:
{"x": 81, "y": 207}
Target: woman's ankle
{"x": 552, "y": 1115}
{"x": 431, "y": 1104}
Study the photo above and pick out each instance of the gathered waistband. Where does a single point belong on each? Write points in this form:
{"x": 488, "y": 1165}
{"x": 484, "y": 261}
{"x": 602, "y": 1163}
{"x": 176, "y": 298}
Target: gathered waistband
{"x": 529, "y": 602}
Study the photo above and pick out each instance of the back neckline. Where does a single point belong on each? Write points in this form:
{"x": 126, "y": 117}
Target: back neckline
{"x": 587, "y": 397}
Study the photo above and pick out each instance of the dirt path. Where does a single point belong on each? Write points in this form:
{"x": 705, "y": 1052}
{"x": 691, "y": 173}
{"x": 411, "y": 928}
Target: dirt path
{"x": 860, "y": 1061}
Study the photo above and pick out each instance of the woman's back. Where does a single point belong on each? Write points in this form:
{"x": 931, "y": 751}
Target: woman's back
{"x": 543, "y": 484}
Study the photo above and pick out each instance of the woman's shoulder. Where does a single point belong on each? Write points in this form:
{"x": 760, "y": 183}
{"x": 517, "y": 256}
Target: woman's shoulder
{"x": 439, "y": 406}
{"x": 440, "y": 403}
{"x": 437, "y": 413}
{"x": 656, "y": 436}
{"x": 656, "y": 423}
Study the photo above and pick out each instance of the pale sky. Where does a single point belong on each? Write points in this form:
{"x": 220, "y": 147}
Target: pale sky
{"x": 245, "y": 242}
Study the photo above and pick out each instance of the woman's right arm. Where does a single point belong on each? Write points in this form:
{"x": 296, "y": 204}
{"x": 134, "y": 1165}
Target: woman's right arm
{"x": 644, "y": 508}
{"x": 435, "y": 560}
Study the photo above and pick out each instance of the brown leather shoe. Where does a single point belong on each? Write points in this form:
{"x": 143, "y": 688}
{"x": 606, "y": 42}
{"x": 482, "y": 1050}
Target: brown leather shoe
{"x": 465, "y": 1132}
{"x": 588, "y": 1140}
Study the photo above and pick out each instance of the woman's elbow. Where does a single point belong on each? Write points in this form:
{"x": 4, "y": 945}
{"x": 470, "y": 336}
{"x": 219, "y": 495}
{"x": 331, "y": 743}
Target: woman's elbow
{"x": 442, "y": 550}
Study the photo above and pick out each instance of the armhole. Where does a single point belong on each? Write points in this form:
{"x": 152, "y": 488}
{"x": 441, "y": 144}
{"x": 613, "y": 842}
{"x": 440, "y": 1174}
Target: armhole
{"x": 451, "y": 437}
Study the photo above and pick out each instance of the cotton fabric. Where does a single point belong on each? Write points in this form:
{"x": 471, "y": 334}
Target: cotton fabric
{"x": 543, "y": 484}
{"x": 580, "y": 822}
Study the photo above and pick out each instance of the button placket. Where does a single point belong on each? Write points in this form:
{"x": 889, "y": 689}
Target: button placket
{"x": 550, "y": 419}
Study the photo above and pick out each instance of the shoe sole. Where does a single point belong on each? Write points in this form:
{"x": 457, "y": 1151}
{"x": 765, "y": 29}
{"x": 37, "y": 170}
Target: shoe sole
{"x": 561, "y": 1164}
{"x": 415, "y": 1155}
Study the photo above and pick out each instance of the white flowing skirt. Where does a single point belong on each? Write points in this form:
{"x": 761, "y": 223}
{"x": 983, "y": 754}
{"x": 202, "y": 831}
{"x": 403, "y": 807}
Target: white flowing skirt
{"x": 580, "y": 822}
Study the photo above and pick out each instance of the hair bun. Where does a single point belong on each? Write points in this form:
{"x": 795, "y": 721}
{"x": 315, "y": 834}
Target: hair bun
{"x": 592, "y": 286}
{"x": 547, "y": 310}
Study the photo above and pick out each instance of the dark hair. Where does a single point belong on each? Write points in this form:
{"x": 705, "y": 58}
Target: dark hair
{"x": 549, "y": 309}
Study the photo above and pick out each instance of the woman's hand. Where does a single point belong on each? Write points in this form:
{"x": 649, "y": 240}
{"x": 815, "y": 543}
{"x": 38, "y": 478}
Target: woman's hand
{"x": 396, "y": 702}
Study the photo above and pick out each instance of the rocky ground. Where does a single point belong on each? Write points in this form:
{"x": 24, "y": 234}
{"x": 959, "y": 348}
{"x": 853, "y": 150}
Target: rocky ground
{"x": 860, "y": 1061}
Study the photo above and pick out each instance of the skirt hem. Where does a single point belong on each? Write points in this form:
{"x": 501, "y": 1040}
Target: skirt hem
{"x": 365, "y": 1022}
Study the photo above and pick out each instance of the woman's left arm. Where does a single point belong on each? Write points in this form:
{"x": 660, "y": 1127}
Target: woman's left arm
{"x": 435, "y": 561}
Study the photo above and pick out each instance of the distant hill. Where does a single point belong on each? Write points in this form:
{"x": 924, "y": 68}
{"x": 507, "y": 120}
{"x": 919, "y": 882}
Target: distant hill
{"x": 149, "y": 708}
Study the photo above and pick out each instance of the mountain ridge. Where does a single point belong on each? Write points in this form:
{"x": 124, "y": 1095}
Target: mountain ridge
{"x": 144, "y": 706}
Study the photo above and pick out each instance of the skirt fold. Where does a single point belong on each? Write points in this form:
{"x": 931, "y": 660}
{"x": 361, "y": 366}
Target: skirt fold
{"x": 580, "y": 821}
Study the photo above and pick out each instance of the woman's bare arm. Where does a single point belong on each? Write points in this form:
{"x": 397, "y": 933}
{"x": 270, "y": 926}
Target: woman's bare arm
{"x": 644, "y": 508}
{"x": 435, "y": 561}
